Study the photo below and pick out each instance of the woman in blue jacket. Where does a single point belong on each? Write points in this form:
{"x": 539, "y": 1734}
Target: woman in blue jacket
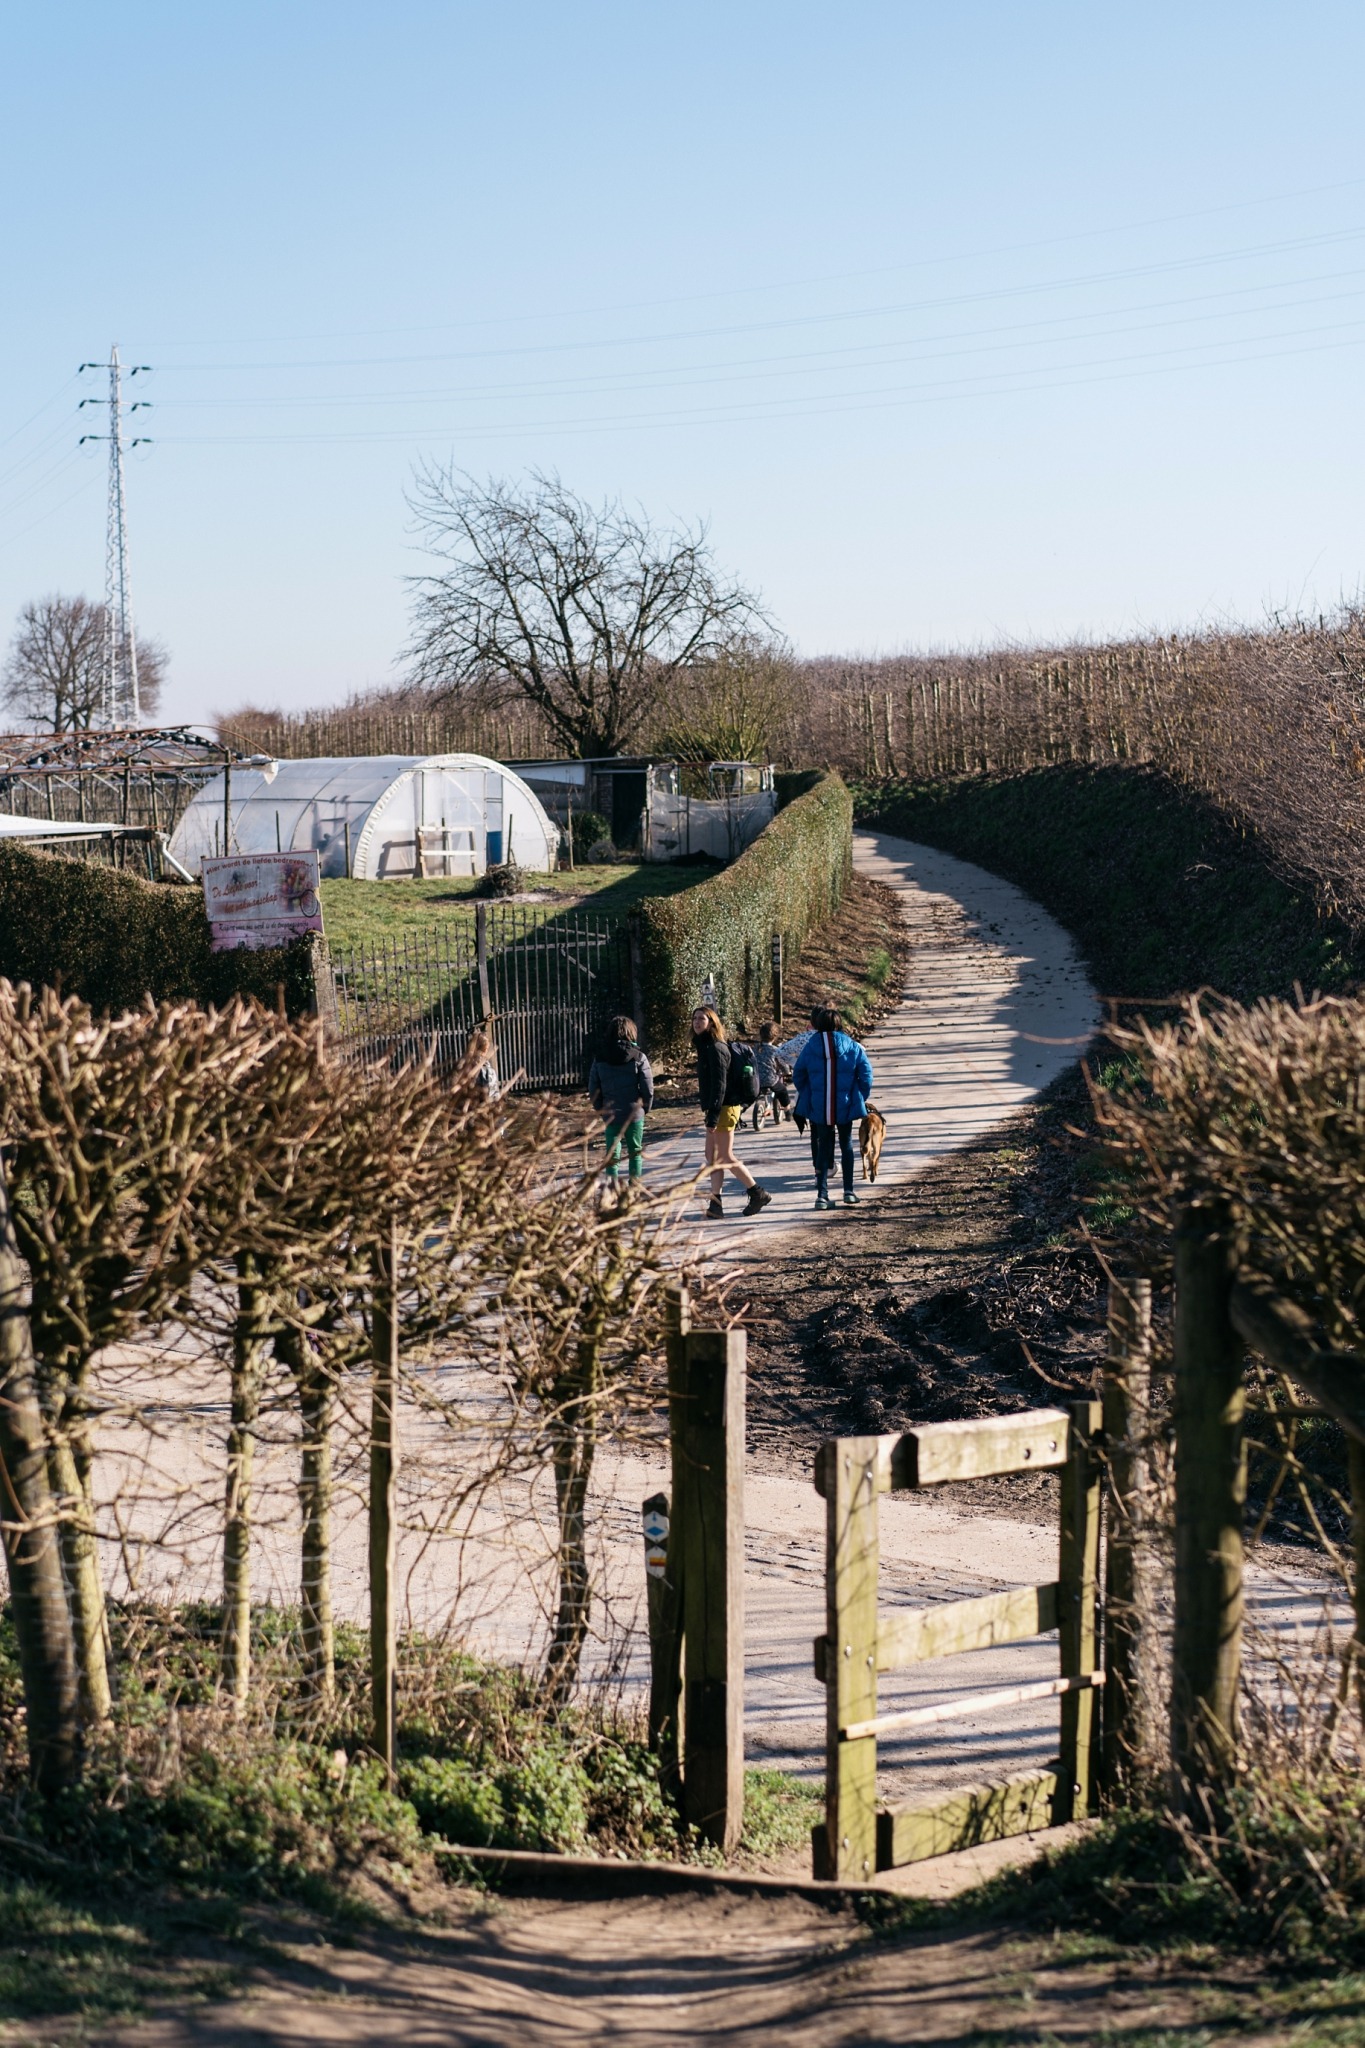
{"x": 833, "y": 1081}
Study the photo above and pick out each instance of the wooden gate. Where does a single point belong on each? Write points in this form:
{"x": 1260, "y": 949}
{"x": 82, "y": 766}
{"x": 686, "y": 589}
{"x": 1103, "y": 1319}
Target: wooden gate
{"x": 858, "y": 1835}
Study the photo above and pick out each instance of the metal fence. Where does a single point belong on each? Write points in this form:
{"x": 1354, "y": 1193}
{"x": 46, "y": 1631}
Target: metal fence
{"x": 544, "y": 984}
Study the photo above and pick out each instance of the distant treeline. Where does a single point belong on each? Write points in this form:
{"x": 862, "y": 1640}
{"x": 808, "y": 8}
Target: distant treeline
{"x": 1269, "y": 725}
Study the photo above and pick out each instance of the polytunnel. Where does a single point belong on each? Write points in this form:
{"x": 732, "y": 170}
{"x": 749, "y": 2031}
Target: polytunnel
{"x": 377, "y": 817}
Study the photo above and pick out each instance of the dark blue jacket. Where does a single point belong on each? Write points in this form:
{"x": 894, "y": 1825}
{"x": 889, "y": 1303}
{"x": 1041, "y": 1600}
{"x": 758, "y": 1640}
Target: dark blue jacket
{"x": 852, "y": 1079}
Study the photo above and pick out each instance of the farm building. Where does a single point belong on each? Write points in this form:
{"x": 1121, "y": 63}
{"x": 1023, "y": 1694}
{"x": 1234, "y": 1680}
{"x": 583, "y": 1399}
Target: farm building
{"x": 374, "y": 817}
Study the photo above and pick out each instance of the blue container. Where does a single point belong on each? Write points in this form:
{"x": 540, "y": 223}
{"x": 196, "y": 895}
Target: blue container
{"x": 495, "y": 849}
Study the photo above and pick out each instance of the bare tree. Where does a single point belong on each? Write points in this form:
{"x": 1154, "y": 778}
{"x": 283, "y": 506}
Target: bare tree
{"x": 53, "y": 679}
{"x": 586, "y": 614}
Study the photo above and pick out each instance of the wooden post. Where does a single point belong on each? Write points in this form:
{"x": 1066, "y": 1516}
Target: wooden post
{"x": 1129, "y": 1605}
{"x": 1210, "y": 1498}
{"x": 383, "y": 1484}
{"x": 849, "y": 1476}
{"x": 777, "y": 977}
{"x": 634, "y": 940}
{"x": 1077, "y": 1584}
{"x": 661, "y": 1592}
{"x": 708, "y": 1520}
{"x": 481, "y": 956}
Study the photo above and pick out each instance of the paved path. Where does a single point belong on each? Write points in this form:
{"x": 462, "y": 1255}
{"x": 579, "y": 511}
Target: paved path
{"x": 996, "y": 1006}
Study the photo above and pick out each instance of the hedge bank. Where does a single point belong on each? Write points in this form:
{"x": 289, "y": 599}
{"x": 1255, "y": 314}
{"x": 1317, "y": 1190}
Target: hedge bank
{"x": 114, "y": 939}
{"x": 1162, "y": 891}
{"x": 791, "y": 880}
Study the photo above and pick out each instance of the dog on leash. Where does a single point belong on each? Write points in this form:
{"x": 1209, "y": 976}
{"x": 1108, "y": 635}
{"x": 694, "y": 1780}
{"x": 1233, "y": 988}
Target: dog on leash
{"x": 871, "y": 1136}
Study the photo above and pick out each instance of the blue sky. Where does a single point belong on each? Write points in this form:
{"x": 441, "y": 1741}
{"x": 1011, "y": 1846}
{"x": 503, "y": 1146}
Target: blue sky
{"x": 953, "y": 322}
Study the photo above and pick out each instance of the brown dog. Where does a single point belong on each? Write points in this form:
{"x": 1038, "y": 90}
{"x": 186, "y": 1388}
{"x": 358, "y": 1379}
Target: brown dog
{"x": 871, "y": 1134}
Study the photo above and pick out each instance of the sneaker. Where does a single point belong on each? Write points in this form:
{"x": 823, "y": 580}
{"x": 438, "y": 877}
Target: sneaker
{"x": 823, "y": 1202}
{"x": 759, "y": 1198}
{"x": 849, "y": 1198}
{"x": 714, "y": 1209}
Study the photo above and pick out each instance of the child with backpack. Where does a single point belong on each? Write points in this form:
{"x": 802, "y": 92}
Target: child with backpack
{"x": 621, "y": 1089}
{"x": 727, "y": 1081}
{"x": 773, "y": 1076}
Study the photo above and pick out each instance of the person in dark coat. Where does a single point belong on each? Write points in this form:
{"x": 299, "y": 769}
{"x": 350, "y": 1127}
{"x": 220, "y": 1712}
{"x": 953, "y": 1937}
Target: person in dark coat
{"x": 621, "y": 1089}
{"x": 722, "y": 1118}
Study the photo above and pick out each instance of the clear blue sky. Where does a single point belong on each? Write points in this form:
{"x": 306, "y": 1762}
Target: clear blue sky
{"x": 952, "y": 321}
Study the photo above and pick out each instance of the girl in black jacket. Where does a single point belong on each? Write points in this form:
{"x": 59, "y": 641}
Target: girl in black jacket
{"x": 722, "y": 1117}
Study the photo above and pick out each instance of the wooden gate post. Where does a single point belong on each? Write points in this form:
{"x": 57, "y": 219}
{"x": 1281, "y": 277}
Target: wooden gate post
{"x": 708, "y": 1521}
{"x": 1210, "y": 1499}
{"x": 1077, "y": 1585}
{"x": 1129, "y": 1605}
{"x": 481, "y": 958}
{"x": 849, "y": 1484}
{"x": 383, "y": 1489}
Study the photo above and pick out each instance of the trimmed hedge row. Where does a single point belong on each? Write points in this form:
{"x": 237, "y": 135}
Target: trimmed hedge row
{"x": 114, "y": 939}
{"x": 791, "y": 880}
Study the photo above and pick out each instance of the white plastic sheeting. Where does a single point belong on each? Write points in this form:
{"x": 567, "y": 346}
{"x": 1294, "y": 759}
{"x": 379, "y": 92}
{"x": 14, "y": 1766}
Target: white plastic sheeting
{"x": 401, "y": 815}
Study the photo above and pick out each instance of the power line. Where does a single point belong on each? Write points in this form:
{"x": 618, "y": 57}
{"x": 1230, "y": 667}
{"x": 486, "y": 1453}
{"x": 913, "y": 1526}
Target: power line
{"x": 120, "y": 705}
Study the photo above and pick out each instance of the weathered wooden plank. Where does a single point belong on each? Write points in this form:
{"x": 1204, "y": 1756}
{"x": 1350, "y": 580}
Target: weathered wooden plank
{"x": 1077, "y": 1609}
{"x": 978, "y": 1449}
{"x": 913, "y": 1635}
{"x": 383, "y": 1500}
{"x": 969, "y": 1703}
{"x": 851, "y": 1695}
{"x": 979, "y": 1813}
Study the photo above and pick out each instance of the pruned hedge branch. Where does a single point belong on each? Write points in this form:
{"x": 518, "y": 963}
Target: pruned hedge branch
{"x": 1256, "y": 1115}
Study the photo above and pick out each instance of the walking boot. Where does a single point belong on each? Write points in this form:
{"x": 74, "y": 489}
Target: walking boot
{"x": 759, "y": 1198}
{"x": 714, "y": 1209}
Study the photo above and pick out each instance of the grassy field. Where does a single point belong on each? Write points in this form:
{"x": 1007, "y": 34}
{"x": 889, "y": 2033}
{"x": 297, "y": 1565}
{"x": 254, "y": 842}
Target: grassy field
{"x": 355, "y": 912}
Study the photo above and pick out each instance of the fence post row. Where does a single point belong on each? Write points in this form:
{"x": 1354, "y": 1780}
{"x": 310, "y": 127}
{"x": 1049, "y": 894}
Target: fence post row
{"x": 697, "y": 1618}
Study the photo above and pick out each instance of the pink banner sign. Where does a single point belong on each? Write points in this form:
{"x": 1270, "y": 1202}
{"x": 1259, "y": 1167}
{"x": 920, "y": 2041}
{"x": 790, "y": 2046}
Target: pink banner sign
{"x": 261, "y": 899}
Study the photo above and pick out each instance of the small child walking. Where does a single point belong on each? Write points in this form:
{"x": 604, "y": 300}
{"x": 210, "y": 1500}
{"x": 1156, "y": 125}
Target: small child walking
{"x": 621, "y": 1089}
{"x": 773, "y": 1076}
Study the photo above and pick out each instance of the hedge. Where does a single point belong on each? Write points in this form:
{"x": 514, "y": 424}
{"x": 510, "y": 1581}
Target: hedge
{"x": 791, "y": 880}
{"x": 114, "y": 939}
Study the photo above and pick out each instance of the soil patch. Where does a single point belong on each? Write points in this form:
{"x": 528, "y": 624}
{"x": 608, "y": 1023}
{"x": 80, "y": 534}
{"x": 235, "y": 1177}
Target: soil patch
{"x": 643, "y": 1971}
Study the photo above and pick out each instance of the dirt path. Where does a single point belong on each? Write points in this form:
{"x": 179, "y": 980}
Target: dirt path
{"x": 710, "y": 1966}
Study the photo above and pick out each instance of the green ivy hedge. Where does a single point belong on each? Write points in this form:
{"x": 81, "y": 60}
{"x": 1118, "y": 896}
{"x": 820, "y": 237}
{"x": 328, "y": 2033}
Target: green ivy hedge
{"x": 110, "y": 937}
{"x": 791, "y": 880}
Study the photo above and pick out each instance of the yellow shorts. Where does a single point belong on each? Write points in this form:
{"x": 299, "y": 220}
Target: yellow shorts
{"x": 729, "y": 1116}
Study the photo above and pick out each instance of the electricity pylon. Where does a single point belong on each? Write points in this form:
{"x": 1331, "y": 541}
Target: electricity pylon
{"x": 119, "y": 702}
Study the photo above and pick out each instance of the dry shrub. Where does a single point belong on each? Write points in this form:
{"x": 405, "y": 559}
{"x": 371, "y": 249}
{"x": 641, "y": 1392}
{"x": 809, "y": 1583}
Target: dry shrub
{"x": 1257, "y": 1115}
{"x": 1270, "y": 725}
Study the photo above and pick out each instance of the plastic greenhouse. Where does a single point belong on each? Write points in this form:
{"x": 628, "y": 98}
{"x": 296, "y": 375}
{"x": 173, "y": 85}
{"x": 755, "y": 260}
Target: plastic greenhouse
{"x": 378, "y": 817}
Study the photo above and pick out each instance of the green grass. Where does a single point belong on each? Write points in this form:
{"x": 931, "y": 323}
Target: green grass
{"x": 101, "y": 1960}
{"x": 356, "y": 912}
{"x": 1163, "y": 893}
